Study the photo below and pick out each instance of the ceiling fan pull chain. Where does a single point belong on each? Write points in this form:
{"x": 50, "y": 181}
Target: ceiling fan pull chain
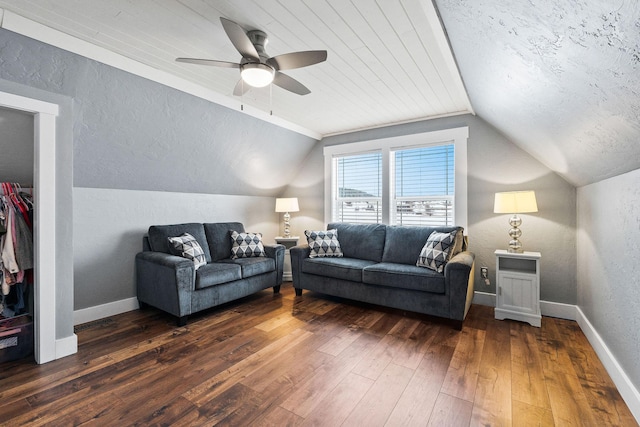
{"x": 241, "y": 95}
{"x": 271, "y": 99}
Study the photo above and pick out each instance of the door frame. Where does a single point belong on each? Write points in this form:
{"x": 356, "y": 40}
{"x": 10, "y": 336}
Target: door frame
{"x": 44, "y": 232}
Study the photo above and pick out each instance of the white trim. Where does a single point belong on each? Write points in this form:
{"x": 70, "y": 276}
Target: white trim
{"x": 90, "y": 314}
{"x": 458, "y": 136}
{"x": 484, "y": 298}
{"x": 623, "y": 383}
{"x": 66, "y": 346}
{"x": 45, "y": 243}
{"x": 18, "y": 102}
{"x": 558, "y": 309}
{"x": 26, "y": 27}
{"x": 400, "y": 122}
{"x": 44, "y": 222}
{"x": 547, "y": 308}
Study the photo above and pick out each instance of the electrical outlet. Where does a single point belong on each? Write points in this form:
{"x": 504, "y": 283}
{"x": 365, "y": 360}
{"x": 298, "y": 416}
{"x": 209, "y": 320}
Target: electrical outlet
{"x": 484, "y": 272}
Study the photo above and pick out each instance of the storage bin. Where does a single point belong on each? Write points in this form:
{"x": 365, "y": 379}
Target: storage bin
{"x": 16, "y": 338}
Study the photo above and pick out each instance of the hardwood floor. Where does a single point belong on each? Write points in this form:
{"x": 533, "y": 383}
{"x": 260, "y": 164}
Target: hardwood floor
{"x": 276, "y": 360}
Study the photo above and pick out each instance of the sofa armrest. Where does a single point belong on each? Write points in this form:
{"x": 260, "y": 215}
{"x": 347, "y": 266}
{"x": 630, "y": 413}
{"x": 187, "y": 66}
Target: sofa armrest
{"x": 298, "y": 255}
{"x": 459, "y": 281}
{"x": 276, "y": 252}
{"x": 165, "y": 281}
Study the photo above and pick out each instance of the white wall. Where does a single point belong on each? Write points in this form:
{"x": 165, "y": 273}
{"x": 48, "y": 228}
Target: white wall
{"x": 608, "y": 261}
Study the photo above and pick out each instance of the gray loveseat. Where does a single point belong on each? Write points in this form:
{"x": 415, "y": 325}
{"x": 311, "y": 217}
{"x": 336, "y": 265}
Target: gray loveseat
{"x": 379, "y": 267}
{"x": 172, "y": 284}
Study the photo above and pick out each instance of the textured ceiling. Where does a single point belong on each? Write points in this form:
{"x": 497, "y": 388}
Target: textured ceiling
{"x": 561, "y": 78}
{"x": 388, "y": 60}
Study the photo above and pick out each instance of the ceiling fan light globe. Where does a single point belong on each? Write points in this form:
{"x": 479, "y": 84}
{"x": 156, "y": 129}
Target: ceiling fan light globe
{"x": 257, "y": 75}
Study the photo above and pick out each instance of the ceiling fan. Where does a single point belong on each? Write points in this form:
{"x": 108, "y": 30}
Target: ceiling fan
{"x": 257, "y": 69}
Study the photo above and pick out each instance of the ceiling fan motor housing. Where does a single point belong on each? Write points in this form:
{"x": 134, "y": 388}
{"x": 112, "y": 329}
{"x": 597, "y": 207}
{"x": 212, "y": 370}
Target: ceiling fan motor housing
{"x": 259, "y": 40}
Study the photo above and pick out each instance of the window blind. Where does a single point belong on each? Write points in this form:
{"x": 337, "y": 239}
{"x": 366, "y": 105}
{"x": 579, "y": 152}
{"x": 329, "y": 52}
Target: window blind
{"x": 358, "y": 188}
{"x": 424, "y": 186}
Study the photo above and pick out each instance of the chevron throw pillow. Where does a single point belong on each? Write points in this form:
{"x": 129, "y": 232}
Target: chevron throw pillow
{"x": 246, "y": 245}
{"x": 323, "y": 244}
{"x": 435, "y": 252}
{"x": 188, "y": 247}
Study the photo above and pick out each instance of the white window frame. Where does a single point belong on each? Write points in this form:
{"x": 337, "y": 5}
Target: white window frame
{"x": 457, "y": 136}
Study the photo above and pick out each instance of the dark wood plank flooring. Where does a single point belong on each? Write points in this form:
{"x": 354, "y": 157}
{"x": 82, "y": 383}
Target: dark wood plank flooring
{"x": 279, "y": 360}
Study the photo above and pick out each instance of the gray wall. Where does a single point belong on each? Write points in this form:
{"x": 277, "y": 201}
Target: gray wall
{"x": 132, "y": 134}
{"x": 495, "y": 164}
{"x": 308, "y": 187}
{"x": 608, "y": 239}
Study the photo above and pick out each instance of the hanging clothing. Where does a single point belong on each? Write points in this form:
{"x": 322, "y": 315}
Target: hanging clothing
{"x": 23, "y": 247}
{"x": 8, "y": 253}
{"x": 16, "y": 249}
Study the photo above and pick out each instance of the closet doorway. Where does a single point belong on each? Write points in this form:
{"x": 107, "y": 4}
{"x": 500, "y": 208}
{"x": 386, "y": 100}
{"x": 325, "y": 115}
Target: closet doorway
{"x": 44, "y": 230}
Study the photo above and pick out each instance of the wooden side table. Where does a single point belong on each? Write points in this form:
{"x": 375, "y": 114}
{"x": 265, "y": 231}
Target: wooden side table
{"x": 288, "y": 243}
{"x": 518, "y": 286}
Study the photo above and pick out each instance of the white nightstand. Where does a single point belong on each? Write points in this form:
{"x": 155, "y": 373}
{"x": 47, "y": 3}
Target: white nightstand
{"x": 518, "y": 286}
{"x": 288, "y": 243}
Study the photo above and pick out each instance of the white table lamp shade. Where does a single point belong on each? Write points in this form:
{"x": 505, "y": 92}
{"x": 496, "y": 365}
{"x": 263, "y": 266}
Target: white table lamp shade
{"x": 515, "y": 202}
{"x": 287, "y": 205}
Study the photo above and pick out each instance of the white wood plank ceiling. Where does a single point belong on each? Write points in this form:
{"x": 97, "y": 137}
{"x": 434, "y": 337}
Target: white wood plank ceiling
{"x": 388, "y": 60}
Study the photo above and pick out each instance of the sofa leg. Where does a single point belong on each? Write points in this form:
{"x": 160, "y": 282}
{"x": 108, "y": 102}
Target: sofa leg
{"x": 298, "y": 291}
{"x": 182, "y": 321}
{"x": 457, "y": 324}
{"x": 276, "y": 289}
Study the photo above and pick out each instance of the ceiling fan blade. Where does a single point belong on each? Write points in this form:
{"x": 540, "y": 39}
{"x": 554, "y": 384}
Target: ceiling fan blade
{"x": 289, "y": 61}
{"x": 213, "y": 62}
{"x": 240, "y": 39}
{"x": 241, "y": 88}
{"x": 290, "y": 84}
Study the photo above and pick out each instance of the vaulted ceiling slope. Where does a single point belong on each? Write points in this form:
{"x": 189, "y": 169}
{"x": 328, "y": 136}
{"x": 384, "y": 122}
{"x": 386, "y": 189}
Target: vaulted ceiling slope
{"x": 560, "y": 78}
{"x": 388, "y": 60}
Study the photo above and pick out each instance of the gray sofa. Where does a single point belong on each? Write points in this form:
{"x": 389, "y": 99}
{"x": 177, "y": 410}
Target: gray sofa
{"x": 379, "y": 267}
{"x": 172, "y": 284}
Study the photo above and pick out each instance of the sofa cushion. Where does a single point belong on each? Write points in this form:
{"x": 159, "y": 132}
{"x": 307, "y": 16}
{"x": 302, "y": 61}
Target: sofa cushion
{"x": 361, "y": 241}
{"x": 188, "y": 247}
{"x": 323, "y": 244}
{"x": 403, "y": 276}
{"x": 218, "y": 237}
{"x": 435, "y": 253}
{"x": 159, "y": 237}
{"x": 253, "y": 266}
{"x": 338, "y": 268}
{"x": 404, "y": 244}
{"x": 217, "y": 273}
{"x": 246, "y": 245}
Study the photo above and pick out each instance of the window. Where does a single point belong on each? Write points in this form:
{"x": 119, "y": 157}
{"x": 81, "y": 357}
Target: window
{"x": 358, "y": 188}
{"x": 414, "y": 180}
{"x": 424, "y": 186}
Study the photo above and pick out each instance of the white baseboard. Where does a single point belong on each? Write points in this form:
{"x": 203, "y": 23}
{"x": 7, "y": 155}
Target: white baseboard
{"x": 484, "y": 298}
{"x": 558, "y": 309}
{"x": 66, "y": 346}
{"x": 105, "y": 310}
{"x": 624, "y": 385}
{"x": 547, "y": 308}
